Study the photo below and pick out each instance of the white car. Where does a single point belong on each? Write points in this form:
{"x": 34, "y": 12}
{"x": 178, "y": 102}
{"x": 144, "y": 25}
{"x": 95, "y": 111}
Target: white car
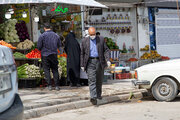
{"x": 162, "y": 79}
{"x": 11, "y": 107}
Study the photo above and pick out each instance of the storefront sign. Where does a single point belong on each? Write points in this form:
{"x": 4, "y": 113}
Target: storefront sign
{"x": 60, "y": 9}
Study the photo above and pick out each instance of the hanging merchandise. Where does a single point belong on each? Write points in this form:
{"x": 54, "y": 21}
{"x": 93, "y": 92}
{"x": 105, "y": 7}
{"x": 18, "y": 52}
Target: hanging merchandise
{"x": 24, "y": 14}
{"x": 117, "y": 31}
{"x": 8, "y": 15}
{"x": 128, "y": 29}
{"x": 22, "y": 31}
{"x": 36, "y": 18}
{"x": 123, "y": 30}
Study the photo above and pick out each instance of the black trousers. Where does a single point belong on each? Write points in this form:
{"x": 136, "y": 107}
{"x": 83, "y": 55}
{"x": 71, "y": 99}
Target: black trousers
{"x": 51, "y": 62}
{"x": 95, "y": 77}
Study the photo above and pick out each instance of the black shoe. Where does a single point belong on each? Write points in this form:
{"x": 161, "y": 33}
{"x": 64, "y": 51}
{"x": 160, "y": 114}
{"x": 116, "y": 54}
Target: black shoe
{"x": 93, "y": 101}
{"x": 78, "y": 85}
{"x": 57, "y": 88}
{"x": 71, "y": 85}
{"x": 100, "y": 98}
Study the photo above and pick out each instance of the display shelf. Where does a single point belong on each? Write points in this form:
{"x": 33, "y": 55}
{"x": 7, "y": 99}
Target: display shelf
{"x": 27, "y": 59}
{"x": 126, "y": 56}
{"x": 102, "y": 23}
{"x": 21, "y": 61}
{"x": 24, "y": 51}
{"x": 28, "y": 82}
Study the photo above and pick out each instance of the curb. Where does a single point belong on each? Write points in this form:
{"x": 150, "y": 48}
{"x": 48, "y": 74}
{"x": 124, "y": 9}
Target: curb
{"x": 56, "y": 102}
{"x": 38, "y": 112}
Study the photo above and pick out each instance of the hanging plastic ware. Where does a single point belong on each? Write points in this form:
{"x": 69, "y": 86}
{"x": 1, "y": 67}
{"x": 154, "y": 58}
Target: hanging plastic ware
{"x": 123, "y": 30}
{"x": 112, "y": 31}
{"x": 117, "y": 31}
{"x": 128, "y": 30}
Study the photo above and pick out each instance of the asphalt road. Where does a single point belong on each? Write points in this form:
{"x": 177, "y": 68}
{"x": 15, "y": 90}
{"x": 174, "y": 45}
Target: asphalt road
{"x": 147, "y": 109}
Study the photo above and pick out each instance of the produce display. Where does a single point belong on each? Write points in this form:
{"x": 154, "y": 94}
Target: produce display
{"x": 6, "y": 44}
{"x": 34, "y": 54}
{"x": 62, "y": 55}
{"x": 63, "y": 64}
{"x": 27, "y": 44}
{"x": 22, "y": 31}
{"x": 152, "y": 55}
{"x": 132, "y": 60}
{"x": 8, "y": 31}
{"x": 19, "y": 55}
{"x": 146, "y": 48}
{"x": 110, "y": 43}
{"x": 28, "y": 71}
{"x": 165, "y": 58}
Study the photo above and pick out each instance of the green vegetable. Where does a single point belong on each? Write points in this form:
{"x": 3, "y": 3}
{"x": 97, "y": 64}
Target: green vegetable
{"x": 28, "y": 71}
{"x": 19, "y": 55}
{"x": 111, "y": 44}
{"x": 63, "y": 64}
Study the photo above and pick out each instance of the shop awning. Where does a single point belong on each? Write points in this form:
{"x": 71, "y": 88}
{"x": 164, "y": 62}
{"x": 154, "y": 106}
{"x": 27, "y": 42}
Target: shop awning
{"x": 91, "y": 3}
{"x": 74, "y": 2}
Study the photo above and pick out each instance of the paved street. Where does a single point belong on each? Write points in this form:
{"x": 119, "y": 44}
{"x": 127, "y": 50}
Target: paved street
{"x": 136, "y": 110}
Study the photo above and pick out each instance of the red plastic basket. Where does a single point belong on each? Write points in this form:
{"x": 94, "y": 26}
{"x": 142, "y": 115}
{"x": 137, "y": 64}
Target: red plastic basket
{"x": 124, "y": 76}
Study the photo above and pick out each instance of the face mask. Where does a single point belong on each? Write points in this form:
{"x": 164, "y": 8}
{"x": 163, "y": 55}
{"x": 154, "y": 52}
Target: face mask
{"x": 92, "y": 37}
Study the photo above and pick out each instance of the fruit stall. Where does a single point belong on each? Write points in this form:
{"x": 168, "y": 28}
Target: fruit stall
{"x": 125, "y": 68}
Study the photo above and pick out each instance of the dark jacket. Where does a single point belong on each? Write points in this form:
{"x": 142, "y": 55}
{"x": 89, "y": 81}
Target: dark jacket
{"x": 103, "y": 51}
{"x": 48, "y": 43}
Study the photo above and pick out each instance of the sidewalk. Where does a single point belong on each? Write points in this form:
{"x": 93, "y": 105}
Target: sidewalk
{"x": 39, "y": 102}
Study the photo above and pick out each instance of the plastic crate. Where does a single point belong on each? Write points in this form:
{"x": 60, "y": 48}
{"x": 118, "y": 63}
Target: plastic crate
{"x": 144, "y": 62}
{"x": 133, "y": 65}
{"x": 124, "y": 76}
{"x": 27, "y": 83}
{"x": 107, "y": 76}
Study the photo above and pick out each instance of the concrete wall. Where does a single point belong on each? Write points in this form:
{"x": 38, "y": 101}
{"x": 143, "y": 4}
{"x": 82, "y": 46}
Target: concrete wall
{"x": 130, "y": 39}
{"x": 143, "y": 28}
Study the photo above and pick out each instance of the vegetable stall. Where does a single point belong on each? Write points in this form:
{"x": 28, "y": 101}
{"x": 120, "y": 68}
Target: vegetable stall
{"x": 14, "y": 34}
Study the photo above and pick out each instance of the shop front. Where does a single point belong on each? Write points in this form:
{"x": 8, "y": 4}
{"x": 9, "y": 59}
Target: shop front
{"x": 21, "y": 25}
{"x": 165, "y": 15}
{"x": 127, "y": 28}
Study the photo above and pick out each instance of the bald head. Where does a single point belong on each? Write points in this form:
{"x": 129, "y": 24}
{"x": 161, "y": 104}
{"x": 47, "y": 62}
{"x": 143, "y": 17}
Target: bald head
{"x": 92, "y": 31}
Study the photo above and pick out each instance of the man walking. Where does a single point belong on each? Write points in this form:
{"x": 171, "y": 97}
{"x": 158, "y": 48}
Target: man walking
{"x": 95, "y": 57}
{"x": 48, "y": 44}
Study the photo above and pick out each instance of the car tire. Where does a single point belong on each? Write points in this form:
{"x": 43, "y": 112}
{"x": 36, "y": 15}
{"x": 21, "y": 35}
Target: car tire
{"x": 165, "y": 89}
